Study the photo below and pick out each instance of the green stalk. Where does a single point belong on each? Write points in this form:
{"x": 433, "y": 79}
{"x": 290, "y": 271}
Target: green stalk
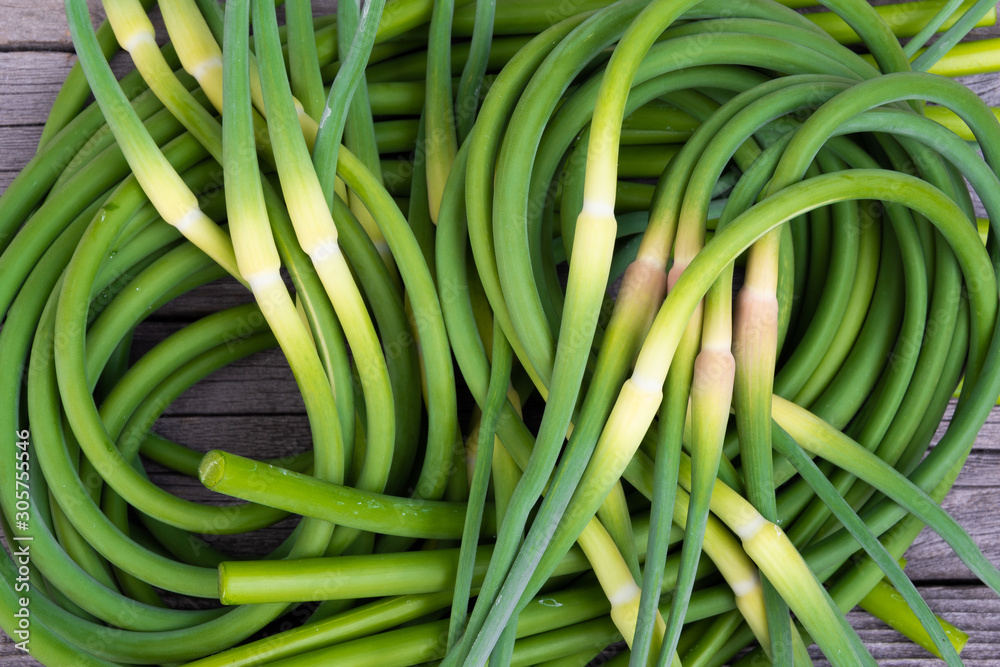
{"x": 318, "y": 237}
{"x": 358, "y": 131}
{"x": 471, "y": 82}
{"x": 260, "y": 264}
{"x": 789, "y": 448}
{"x": 440, "y": 140}
{"x": 338, "y": 105}
{"x": 823, "y": 440}
{"x": 303, "y": 61}
{"x": 932, "y": 26}
{"x": 173, "y": 200}
{"x": 306, "y": 495}
{"x": 969, "y": 19}
{"x": 442, "y": 419}
{"x": 495, "y": 399}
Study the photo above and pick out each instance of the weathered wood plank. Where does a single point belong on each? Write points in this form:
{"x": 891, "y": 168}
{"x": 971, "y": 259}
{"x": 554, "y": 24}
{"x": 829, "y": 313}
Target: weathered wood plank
{"x": 28, "y": 86}
{"x": 39, "y": 24}
{"x": 12, "y": 657}
{"x": 249, "y": 435}
{"x": 987, "y": 86}
{"x": 226, "y": 293}
{"x": 976, "y": 509}
{"x": 263, "y": 385}
{"x": 19, "y": 147}
{"x": 988, "y": 437}
{"x": 974, "y": 609}
{"x": 29, "y": 83}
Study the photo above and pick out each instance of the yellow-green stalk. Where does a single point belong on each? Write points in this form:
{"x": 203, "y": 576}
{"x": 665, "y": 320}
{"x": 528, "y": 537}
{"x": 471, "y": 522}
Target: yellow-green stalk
{"x": 317, "y": 234}
{"x": 259, "y": 263}
{"x": 739, "y": 572}
{"x": 766, "y": 544}
{"x": 965, "y": 58}
{"x": 711, "y": 393}
{"x": 756, "y": 345}
{"x": 596, "y": 227}
{"x": 613, "y": 572}
{"x": 886, "y": 603}
{"x": 857, "y": 307}
{"x": 951, "y": 120}
{"x": 197, "y": 49}
{"x": 905, "y": 19}
{"x": 755, "y": 357}
{"x": 617, "y": 582}
{"x": 201, "y": 57}
{"x": 171, "y": 197}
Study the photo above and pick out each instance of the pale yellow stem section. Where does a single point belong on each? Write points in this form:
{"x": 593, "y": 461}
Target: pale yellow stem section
{"x": 197, "y": 49}
{"x": 617, "y": 582}
{"x": 166, "y": 190}
{"x": 201, "y": 57}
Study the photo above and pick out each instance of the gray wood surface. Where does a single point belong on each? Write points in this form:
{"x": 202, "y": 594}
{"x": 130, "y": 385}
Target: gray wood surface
{"x": 253, "y": 406}
{"x": 36, "y": 25}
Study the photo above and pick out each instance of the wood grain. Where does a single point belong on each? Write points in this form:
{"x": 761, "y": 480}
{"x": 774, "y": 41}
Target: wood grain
{"x": 35, "y": 25}
{"x": 40, "y": 25}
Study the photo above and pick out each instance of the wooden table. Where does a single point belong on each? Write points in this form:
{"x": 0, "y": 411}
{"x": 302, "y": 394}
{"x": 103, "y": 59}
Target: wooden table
{"x": 253, "y": 407}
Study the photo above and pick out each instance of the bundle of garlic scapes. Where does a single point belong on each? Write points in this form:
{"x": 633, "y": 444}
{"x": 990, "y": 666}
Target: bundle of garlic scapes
{"x": 710, "y": 272}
